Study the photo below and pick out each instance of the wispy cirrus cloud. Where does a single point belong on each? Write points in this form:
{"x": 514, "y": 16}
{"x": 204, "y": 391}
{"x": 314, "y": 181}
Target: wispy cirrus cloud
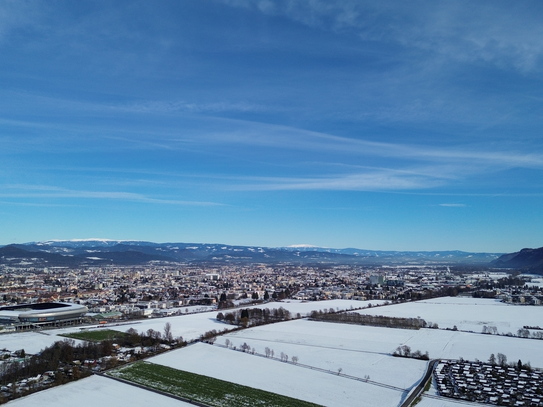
{"x": 453, "y": 205}
{"x": 157, "y": 106}
{"x": 384, "y": 180}
{"x": 206, "y": 131}
{"x": 289, "y": 138}
{"x": 52, "y": 192}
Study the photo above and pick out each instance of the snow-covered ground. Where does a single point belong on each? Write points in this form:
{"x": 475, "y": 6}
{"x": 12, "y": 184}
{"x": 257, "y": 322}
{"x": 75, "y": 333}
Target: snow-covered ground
{"x": 193, "y": 325}
{"x": 278, "y": 377}
{"x": 285, "y": 336}
{"x": 189, "y": 326}
{"x": 359, "y": 351}
{"x": 96, "y": 391}
{"x": 468, "y": 314}
{"x": 31, "y": 342}
{"x": 537, "y": 280}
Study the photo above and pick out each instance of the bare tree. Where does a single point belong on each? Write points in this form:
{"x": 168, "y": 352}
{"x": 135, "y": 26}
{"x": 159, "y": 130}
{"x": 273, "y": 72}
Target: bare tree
{"x": 168, "y": 336}
{"x": 523, "y": 333}
{"x": 492, "y": 359}
{"x": 502, "y": 359}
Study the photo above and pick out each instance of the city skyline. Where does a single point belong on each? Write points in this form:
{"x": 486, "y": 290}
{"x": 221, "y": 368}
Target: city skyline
{"x": 381, "y": 126}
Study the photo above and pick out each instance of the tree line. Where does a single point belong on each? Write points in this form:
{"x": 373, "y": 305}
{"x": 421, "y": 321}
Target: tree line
{"x": 404, "y": 351}
{"x": 254, "y": 316}
{"x": 53, "y": 358}
{"x": 373, "y": 320}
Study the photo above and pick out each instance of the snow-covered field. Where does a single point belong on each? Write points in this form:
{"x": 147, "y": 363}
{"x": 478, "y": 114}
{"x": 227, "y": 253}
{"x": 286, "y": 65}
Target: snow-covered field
{"x": 537, "y": 280}
{"x": 189, "y": 326}
{"x": 359, "y": 351}
{"x": 96, "y": 391}
{"x": 193, "y": 325}
{"x": 31, "y": 342}
{"x": 468, "y": 314}
{"x": 278, "y": 377}
{"x": 292, "y": 336}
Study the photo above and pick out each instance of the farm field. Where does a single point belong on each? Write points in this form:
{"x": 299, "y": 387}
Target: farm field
{"x": 468, "y": 314}
{"x": 189, "y": 326}
{"x": 31, "y": 342}
{"x": 204, "y": 389}
{"x": 94, "y": 335}
{"x": 370, "y": 376}
{"x": 359, "y": 351}
{"x": 318, "y": 387}
{"x": 96, "y": 391}
{"x": 291, "y": 336}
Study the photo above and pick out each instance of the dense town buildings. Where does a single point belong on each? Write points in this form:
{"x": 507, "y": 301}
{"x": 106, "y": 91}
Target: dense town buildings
{"x": 163, "y": 289}
{"x": 157, "y": 290}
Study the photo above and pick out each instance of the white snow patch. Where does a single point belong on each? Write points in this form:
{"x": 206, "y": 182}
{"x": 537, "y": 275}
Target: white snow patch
{"x": 468, "y": 314}
{"x": 278, "y": 377}
{"x": 96, "y": 391}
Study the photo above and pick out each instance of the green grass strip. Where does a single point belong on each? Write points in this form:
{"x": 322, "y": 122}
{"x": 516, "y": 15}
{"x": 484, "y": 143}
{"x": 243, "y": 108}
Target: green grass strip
{"x": 204, "y": 389}
{"x": 95, "y": 336}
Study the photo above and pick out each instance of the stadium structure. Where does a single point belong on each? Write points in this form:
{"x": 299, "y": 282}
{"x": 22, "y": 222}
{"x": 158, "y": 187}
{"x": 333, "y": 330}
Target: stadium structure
{"x": 46, "y": 314}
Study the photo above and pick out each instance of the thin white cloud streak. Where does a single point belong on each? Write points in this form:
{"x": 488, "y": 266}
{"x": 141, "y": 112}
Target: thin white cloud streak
{"x": 158, "y": 106}
{"x": 404, "y": 167}
{"x": 38, "y": 205}
{"x": 48, "y": 192}
{"x": 376, "y": 181}
{"x": 261, "y": 135}
{"x": 288, "y": 138}
{"x": 453, "y": 205}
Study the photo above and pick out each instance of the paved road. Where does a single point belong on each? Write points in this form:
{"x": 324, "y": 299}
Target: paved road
{"x": 420, "y": 387}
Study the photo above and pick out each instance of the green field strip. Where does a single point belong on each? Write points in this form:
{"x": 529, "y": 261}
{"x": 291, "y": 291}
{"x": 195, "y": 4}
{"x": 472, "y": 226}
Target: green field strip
{"x": 203, "y": 389}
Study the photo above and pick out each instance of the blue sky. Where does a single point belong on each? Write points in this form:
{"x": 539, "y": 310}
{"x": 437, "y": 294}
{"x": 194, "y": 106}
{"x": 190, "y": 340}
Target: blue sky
{"x": 381, "y": 125}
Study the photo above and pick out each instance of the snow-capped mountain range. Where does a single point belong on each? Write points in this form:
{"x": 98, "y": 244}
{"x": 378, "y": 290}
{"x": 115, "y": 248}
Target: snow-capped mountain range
{"x": 105, "y": 251}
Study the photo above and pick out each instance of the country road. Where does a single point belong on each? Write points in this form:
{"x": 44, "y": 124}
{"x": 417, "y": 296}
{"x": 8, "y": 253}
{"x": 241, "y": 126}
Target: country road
{"x": 420, "y": 387}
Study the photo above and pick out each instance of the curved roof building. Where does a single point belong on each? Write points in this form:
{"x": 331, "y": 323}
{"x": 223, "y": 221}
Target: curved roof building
{"x": 42, "y": 313}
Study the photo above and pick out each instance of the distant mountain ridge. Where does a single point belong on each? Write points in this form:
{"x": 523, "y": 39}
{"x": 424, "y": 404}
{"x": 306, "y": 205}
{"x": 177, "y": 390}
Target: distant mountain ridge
{"x": 529, "y": 259}
{"x": 95, "y": 252}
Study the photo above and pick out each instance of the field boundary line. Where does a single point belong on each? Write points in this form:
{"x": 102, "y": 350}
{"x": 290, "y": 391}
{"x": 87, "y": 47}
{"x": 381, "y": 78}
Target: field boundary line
{"x": 319, "y": 369}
